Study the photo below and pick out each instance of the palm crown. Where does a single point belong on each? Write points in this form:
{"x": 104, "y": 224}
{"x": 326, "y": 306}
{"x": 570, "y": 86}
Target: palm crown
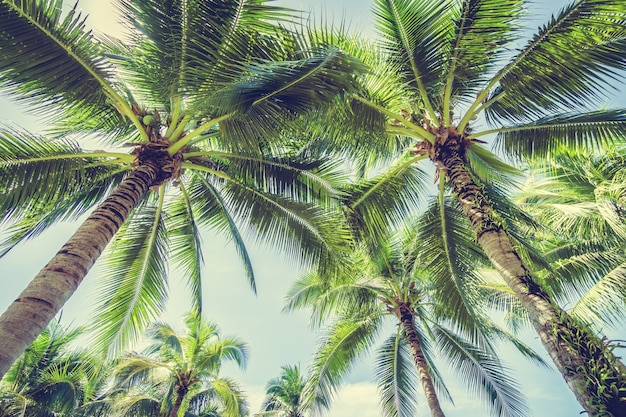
{"x": 440, "y": 70}
{"x": 200, "y": 91}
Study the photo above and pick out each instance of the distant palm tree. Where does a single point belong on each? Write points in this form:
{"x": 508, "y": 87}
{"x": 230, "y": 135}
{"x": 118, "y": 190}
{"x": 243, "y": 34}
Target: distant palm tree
{"x": 52, "y": 377}
{"x": 444, "y": 68}
{"x": 179, "y": 374}
{"x": 582, "y": 197}
{"x": 414, "y": 280}
{"x": 199, "y": 90}
{"x": 285, "y": 395}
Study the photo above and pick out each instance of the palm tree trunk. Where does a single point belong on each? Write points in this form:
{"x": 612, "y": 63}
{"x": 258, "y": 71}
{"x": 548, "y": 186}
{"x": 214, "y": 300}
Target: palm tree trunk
{"x": 181, "y": 391}
{"x": 46, "y": 294}
{"x": 407, "y": 319}
{"x": 588, "y": 366}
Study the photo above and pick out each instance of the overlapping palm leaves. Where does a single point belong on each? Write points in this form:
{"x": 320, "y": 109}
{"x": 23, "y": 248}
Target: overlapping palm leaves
{"x": 425, "y": 280}
{"x": 179, "y": 374}
{"x": 285, "y": 394}
{"x": 582, "y": 198}
{"x": 455, "y": 64}
{"x": 199, "y": 90}
{"x": 51, "y": 378}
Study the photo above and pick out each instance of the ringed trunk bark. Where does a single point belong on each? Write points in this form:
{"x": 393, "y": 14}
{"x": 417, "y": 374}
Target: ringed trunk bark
{"x": 588, "y": 366}
{"x": 46, "y": 294}
{"x": 406, "y": 318}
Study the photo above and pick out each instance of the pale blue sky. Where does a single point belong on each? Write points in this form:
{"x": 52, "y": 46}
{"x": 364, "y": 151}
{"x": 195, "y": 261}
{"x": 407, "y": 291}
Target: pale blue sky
{"x": 275, "y": 339}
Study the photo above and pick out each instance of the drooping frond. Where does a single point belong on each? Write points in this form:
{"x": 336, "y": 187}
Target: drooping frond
{"x": 134, "y": 289}
{"x": 397, "y": 377}
{"x": 374, "y": 205}
{"x": 210, "y": 209}
{"x": 483, "y": 374}
{"x": 185, "y": 243}
{"x": 303, "y": 230}
{"x": 52, "y": 62}
{"x": 345, "y": 341}
{"x": 446, "y": 248}
{"x": 567, "y": 64}
{"x": 38, "y": 174}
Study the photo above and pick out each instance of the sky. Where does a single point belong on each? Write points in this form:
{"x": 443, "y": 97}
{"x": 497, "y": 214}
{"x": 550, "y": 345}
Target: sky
{"x": 275, "y": 339}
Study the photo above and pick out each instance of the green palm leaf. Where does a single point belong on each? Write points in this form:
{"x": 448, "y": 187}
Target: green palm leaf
{"x": 546, "y": 135}
{"x": 399, "y": 190}
{"x": 397, "y": 378}
{"x": 417, "y": 34}
{"x": 565, "y": 62}
{"x": 483, "y": 28}
{"x": 483, "y": 374}
{"x": 47, "y": 59}
{"x": 185, "y": 243}
{"x": 38, "y": 174}
{"x": 448, "y": 251}
{"x": 134, "y": 287}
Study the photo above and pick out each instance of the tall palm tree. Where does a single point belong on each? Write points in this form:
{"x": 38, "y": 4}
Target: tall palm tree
{"x": 198, "y": 90}
{"x": 285, "y": 395}
{"x": 51, "y": 378}
{"x": 413, "y": 280}
{"x": 179, "y": 374}
{"x": 444, "y": 68}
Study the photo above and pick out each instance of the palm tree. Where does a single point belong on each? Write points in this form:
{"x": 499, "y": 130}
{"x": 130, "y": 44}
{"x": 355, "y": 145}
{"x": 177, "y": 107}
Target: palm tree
{"x": 412, "y": 279}
{"x": 582, "y": 197}
{"x": 179, "y": 374}
{"x": 442, "y": 69}
{"x": 198, "y": 90}
{"x": 285, "y": 394}
{"x": 51, "y": 378}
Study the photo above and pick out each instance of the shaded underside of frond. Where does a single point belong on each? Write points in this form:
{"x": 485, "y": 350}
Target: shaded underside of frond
{"x": 344, "y": 342}
{"x": 52, "y": 62}
{"x": 578, "y": 131}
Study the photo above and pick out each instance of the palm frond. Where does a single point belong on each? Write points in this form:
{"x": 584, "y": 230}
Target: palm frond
{"x": 418, "y": 34}
{"x": 37, "y": 174}
{"x": 483, "y": 29}
{"x": 582, "y": 131}
{"x": 447, "y": 249}
{"x": 567, "y": 64}
{"x": 134, "y": 287}
{"x": 374, "y": 205}
{"x": 396, "y": 377}
{"x": 483, "y": 374}
{"x": 47, "y": 60}
{"x": 344, "y": 342}
{"x": 604, "y": 302}
{"x": 185, "y": 243}
{"x": 308, "y": 232}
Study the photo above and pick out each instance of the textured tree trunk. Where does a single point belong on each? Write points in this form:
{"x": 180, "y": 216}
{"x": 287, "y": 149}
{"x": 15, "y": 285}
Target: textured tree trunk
{"x": 180, "y": 395}
{"x": 590, "y": 369}
{"x": 406, "y": 318}
{"x": 46, "y": 294}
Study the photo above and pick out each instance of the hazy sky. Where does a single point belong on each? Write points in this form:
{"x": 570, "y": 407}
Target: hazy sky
{"x": 275, "y": 339}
